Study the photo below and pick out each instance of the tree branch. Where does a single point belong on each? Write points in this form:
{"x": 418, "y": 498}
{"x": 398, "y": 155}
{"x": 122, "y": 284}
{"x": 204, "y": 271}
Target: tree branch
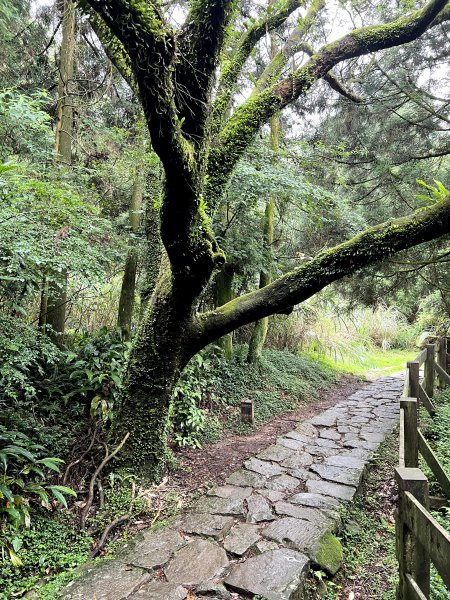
{"x": 199, "y": 42}
{"x": 275, "y": 67}
{"x": 252, "y": 114}
{"x": 114, "y": 50}
{"x": 331, "y": 78}
{"x": 149, "y": 43}
{"x": 232, "y": 67}
{"x": 368, "y": 247}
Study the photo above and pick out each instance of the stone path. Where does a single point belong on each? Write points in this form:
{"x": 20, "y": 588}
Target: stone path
{"x": 260, "y": 533}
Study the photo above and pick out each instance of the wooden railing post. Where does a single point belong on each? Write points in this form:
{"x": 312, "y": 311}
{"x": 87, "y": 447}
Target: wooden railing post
{"x": 429, "y": 370}
{"x": 411, "y": 435}
{"x": 442, "y": 359}
{"x": 414, "y": 378}
{"x": 411, "y": 555}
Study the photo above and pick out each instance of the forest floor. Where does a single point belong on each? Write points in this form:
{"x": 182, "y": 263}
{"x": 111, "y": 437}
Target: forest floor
{"x": 215, "y": 462}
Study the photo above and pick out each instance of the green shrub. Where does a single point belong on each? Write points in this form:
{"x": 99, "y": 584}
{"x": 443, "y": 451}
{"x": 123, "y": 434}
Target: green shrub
{"x": 92, "y": 371}
{"x": 27, "y": 360}
{"x": 187, "y": 418}
{"x": 24, "y": 482}
{"x": 50, "y": 546}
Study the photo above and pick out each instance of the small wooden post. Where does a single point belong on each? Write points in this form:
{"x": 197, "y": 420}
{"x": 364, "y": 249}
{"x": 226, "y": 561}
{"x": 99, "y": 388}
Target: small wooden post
{"x": 247, "y": 411}
{"x": 429, "y": 370}
{"x": 442, "y": 359}
{"x": 414, "y": 379}
{"x": 411, "y": 436}
{"x": 411, "y": 555}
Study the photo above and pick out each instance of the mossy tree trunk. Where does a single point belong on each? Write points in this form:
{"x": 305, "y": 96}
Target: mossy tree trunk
{"x": 128, "y": 288}
{"x": 261, "y": 327}
{"x": 223, "y": 294}
{"x": 56, "y": 301}
{"x": 174, "y": 73}
{"x": 152, "y": 252}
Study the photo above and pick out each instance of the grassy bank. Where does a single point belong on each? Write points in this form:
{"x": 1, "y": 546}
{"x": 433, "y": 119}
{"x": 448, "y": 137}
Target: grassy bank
{"x": 370, "y": 363}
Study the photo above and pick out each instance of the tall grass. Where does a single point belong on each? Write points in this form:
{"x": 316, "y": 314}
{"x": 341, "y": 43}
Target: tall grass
{"x": 328, "y": 331}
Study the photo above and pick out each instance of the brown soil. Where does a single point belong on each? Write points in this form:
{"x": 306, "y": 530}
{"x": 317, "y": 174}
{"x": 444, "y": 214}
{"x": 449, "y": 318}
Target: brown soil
{"x": 215, "y": 462}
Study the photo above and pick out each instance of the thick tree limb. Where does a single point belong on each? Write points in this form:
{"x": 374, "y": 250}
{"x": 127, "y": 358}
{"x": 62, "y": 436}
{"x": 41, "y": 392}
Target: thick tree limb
{"x": 250, "y": 116}
{"x": 331, "y": 78}
{"x": 442, "y": 16}
{"x": 199, "y": 42}
{"x": 149, "y": 43}
{"x": 368, "y": 247}
{"x": 114, "y": 50}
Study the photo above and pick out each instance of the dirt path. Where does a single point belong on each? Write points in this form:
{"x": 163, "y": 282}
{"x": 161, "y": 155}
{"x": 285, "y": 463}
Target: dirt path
{"x": 214, "y": 462}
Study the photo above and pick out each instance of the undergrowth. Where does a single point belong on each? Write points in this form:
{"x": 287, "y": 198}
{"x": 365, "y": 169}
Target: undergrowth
{"x": 51, "y": 546}
{"x": 279, "y": 383}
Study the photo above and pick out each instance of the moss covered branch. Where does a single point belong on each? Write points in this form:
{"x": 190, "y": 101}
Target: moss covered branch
{"x": 275, "y": 67}
{"x": 256, "y": 111}
{"x": 368, "y": 247}
{"x": 200, "y": 42}
{"x": 114, "y": 50}
{"x": 232, "y": 65}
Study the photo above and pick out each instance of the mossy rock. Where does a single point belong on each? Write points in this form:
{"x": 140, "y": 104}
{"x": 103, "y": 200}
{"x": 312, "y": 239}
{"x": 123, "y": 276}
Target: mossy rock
{"x": 330, "y": 554}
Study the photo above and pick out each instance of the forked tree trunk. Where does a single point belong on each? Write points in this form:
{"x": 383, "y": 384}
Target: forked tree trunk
{"x": 128, "y": 289}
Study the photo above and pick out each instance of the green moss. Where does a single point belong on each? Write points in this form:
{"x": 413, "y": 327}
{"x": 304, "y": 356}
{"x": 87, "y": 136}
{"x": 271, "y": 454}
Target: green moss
{"x": 330, "y": 554}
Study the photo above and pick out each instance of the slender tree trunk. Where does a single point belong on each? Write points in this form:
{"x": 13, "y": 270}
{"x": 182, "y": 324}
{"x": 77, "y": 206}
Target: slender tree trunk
{"x": 260, "y": 328}
{"x": 223, "y": 294}
{"x": 43, "y": 304}
{"x": 63, "y": 137}
{"x": 56, "y": 309}
{"x": 128, "y": 289}
{"x": 57, "y": 287}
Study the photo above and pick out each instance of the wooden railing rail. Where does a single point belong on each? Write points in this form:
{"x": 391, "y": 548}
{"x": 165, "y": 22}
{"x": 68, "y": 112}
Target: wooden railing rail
{"x": 420, "y": 540}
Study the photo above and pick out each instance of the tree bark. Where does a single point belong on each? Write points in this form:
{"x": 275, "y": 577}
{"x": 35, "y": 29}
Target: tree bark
{"x": 161, "y": 349}
{"x": 57, "y": 288}
{"x": 261, "y": 326}
{"x": 63, "y": 137}
{"x": 128, "y": 289}
{"x": 224, "y": 294}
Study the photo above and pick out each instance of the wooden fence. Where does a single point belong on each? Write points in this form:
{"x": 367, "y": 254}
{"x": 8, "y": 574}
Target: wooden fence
{"x": 420, "y": 540}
